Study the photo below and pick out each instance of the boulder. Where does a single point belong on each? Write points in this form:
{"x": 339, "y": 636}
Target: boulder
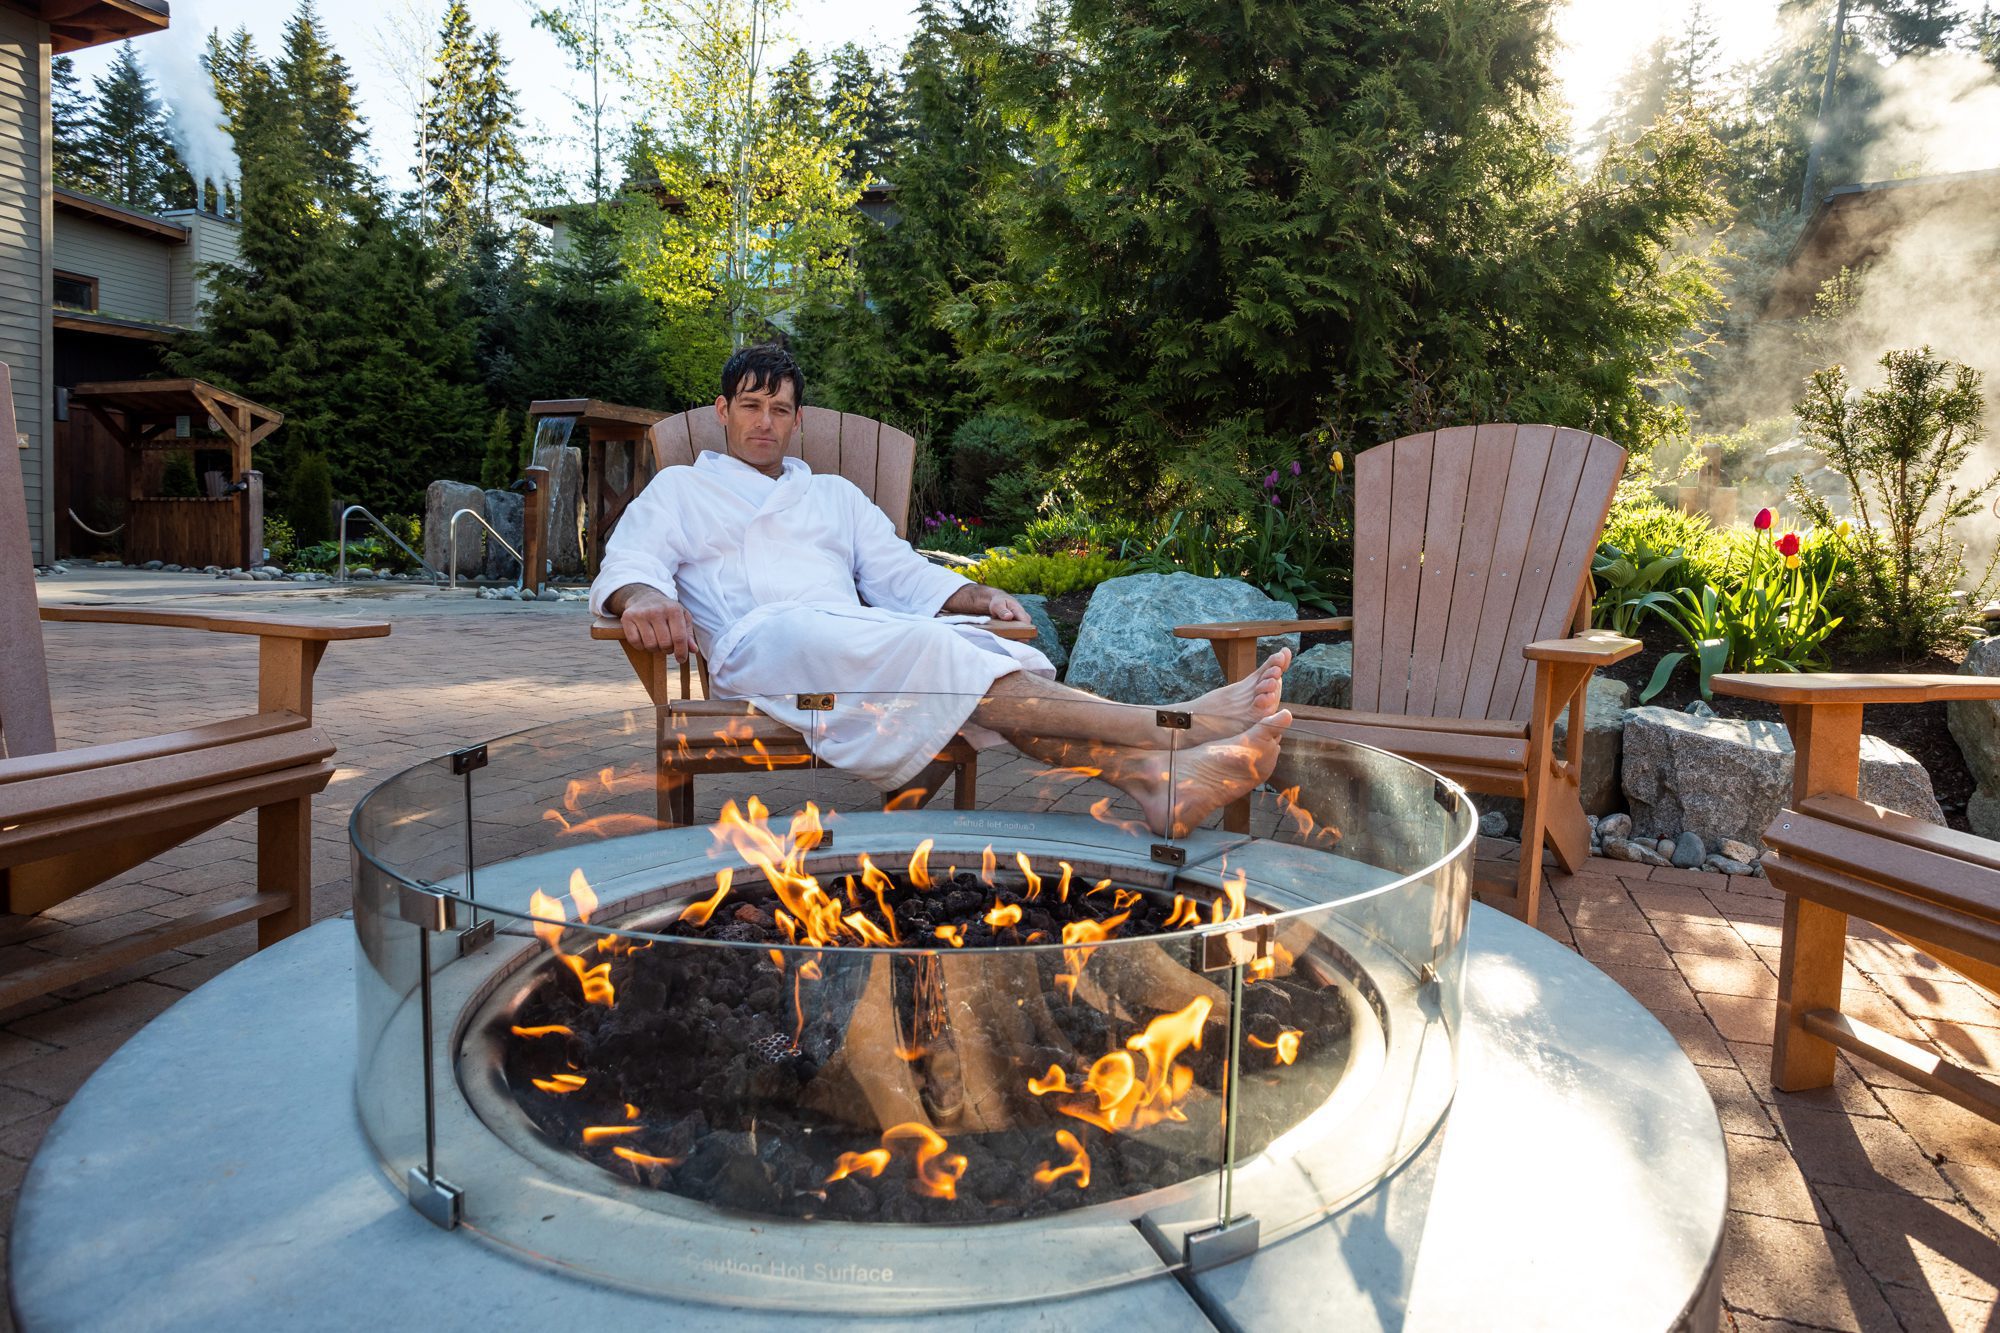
{"x": 505, "y": 511}
{"x": 1724, "y": 778}
{"x": 1975, "y": 725}
{"x": 1046, "y": 637}
{"x": 1126, "y": 649}
{"x": 442, "y": 499}
{"x": 1323, "y": 676}
{"x": 1603, "y": 742}
{"x": 565, "y": 485}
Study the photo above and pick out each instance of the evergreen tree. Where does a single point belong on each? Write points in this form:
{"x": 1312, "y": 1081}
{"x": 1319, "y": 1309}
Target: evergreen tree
{"x": 497, "y": 118}
{"x": 473, "y": 161}
{"x": 316, "y": 80}
{"x": 239, "y": 77}
{"x": 69, "y": 121}
{"x": 586, "y": 331}
{"x": 497, "y": 470}
{"x": 1983, "y": 35}
{"x": 1347, "y": 219}
{"x": 493, "y": 291}
{"x": 864, "y": 98}
{"x": 125, "y": 153}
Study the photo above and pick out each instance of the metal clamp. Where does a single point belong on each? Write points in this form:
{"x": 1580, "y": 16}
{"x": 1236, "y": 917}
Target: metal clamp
{"x": 1174, "y": 719}
{"x": 1169, "y": 855}
{"x": 469, "y": 760}
{"x": 441, "y": 1202}
{"x": 1239, "y": 944}
{"x": 815, "y": 703}
{"x": 1223, "y": 1243}
{"x": 429, "y": 908}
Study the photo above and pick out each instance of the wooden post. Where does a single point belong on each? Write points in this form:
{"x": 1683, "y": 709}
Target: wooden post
{"x": 250, "y": 508}
{"x": 535, "y": 530}
{"x": 1812, "y": 960}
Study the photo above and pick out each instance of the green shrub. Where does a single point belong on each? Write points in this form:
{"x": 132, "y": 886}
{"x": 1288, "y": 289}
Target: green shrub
{"x": 279, "y": 540}
{"x": 319, "y": 556}
{"x": 177, "y": 479}
{"x": 949, "y": 532}
{"x": 309, "y": 500}
{"x": 1768, "y": 614}
{"x": 1900, "y": 448}
{"x": 1046, "y": 575}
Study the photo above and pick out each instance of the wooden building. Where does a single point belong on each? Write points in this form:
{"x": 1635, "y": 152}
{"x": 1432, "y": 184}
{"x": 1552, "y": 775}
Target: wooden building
{"x": 32, "y": 31}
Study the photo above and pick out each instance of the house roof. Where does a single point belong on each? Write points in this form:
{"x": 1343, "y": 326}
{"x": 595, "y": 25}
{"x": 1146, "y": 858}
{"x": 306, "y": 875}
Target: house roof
{"x": 75, "y": 24}
{"x": 1856, "y": 224}
{"x": 118, "y": 215}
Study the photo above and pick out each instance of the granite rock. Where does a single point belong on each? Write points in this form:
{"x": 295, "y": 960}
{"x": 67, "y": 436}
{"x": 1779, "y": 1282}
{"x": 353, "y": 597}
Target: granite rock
{"x": 1975, "y": 725}
{"x": 1046, "y": 637}
{"x": 1689, "y": 851}
{"x": 1126, "y": 649}
{"x": 505, "y": 510}
{"x": 442, "y": 499}
{"x": 565, "y": 483}
{"x": 1322, "y": 676}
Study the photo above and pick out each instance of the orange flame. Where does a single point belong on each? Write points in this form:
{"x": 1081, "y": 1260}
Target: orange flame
{"x": 1229, "y": 907}
{"x": 952, "y": 935}
{"x": 580, "y": 893}
{"x": 920, "y": 865}
{"x": 987, "y": 863}
{"x": 880, "y": 884}
{"x": 596, "y": 981}
{"x": 1303, "y": 821}
{"x": 807, "y": 971}
{"x": 598, "y": 1133}
{"x": 1078, "y": 1165}
{"x": 1097, "y": 888}
{"x": 575, "y": 823}
{"x": 1100, "y": 810}
{"x": 1004, "y": 914}
{"x": 548, "y": 1030}
{"x": 937, "y": 1171}
{"x": 1034, "y": 880}
{"x": 1054, "y": 1081}
{"x": 873, "y": 1162}
{"x": 559, "y": 1083}
{"x": 698, "y": 913}
{"x": 1062, "y": 889}
{"x": 644, "y": 1158}
{"x": 1285, "y": 1049}
{"x": 549, "y": 916}
{"x": 910, "y": 799}
{"x": 1123, "y": 1098}
{"x": 1124, "y": 898}
{"x": 1185, "y": 913}
{"x": 631, "y": 1111}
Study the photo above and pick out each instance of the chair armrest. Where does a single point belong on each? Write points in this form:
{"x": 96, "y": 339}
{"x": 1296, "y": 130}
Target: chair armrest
{"x": 1593, "y": 650}
{"x": 610, "y": 627}
{"x": 607, "y": 627}
{"x": 1838, "y": 687}
{"x": 1262, "y": 629}
{"x": 269, "y": 627}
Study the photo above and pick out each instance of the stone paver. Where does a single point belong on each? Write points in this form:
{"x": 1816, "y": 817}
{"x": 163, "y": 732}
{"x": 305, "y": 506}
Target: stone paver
{"x": 1868, "y": 1205}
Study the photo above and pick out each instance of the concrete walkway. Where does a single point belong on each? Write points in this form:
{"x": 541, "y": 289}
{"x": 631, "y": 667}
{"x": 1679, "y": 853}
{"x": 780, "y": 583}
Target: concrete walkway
{"x": 1872, "y": 1205}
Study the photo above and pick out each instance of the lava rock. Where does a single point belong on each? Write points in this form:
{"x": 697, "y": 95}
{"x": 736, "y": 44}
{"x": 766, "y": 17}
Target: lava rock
{"x": 1126, "y": 649}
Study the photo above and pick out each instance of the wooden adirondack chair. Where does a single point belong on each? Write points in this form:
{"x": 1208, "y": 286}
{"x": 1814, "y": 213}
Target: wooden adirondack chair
{"x": 879, "y": 459}
{"x": 72, "y": 819}
{"x": 1472, "y": 550}
{"x": 1834, "y": 856}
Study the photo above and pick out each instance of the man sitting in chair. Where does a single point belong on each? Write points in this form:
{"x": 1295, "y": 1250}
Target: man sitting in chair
{"x": 789, "y": 581}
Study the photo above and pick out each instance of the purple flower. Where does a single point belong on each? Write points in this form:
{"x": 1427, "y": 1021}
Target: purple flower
{"x": 1295, "y": 467}
{"x": 1271, "y": 480}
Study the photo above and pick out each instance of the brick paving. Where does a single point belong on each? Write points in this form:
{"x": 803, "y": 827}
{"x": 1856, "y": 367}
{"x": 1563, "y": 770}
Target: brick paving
{"x": 1869, "y": 1205}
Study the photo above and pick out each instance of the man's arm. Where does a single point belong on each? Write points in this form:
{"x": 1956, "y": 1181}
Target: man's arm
{"x": 652, "y": 620}
{"x": 976, "y": 599}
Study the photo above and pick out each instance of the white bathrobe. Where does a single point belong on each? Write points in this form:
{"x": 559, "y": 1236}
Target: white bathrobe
{"x": 774, "y": 573}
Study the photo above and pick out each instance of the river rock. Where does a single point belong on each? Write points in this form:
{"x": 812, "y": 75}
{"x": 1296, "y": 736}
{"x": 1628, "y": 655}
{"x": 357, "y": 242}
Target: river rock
{"x": 1126, "y": 649}
{"x": 1725, "y": 778}
{"x": 1689, "y": 851}
{"x": 1322, "y": 676}
{"x": 1046, "y": 638}
{"x": 565, "y": 483}
{"x": 1975, "y": 725}
{"x": 505, "y": 511}
{"x": 442, "y": 499}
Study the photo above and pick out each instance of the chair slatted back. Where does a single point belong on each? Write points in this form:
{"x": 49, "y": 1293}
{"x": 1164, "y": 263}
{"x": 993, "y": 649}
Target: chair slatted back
{"x": 879, "y": 459}
{"x": 26, "y": 724}
{"x": 1470, "y": 543}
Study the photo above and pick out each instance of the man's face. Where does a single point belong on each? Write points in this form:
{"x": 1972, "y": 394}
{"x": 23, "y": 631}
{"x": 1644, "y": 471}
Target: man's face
{"x": 758, "y": 424}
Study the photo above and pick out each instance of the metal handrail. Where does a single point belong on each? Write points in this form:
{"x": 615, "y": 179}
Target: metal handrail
{"x": 340, "y": 570}
{"x": 452, "y": 525}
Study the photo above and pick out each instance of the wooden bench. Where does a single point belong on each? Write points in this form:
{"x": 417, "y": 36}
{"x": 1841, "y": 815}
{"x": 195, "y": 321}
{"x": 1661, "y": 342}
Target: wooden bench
{"x": 1835, "y": 856}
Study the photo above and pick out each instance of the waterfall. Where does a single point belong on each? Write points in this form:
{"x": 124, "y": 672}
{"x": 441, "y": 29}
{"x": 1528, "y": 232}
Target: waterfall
{"x": 551, "y": 435}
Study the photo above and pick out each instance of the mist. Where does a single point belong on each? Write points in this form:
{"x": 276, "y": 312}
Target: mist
{"x": 196, "y": 119}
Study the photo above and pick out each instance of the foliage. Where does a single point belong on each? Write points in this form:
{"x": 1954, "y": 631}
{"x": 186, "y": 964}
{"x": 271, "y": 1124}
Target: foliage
{"x": 122, "y": 150}
{"x": 321, "y": 88}
{"x": 69, "y": 121}
{"x": 993, "y": 472}
{"x": 318, "y": 556}
{"x": 310, "y": 511}
{"x": 498, "y": 468}
{"x": 280, "y": 540}
{"x": 470, "y": 159}
{"x": 1047, "y": 575}
{"x": 1247, "y": 227}
{"x": 177, "y": 479}
{"x": 1296, "y": 545}
{"x": 1901, "y": 448}
{"x": 1769, "y": 616}
{"x": 587, "y": 332}
{"x": 940, "y": 531}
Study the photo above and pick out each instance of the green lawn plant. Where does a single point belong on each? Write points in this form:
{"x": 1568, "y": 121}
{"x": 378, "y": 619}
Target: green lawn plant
{"x": 1771, "y": 615}
{"x": 1901, "y": 448}
{"x": 1051, "y": 575}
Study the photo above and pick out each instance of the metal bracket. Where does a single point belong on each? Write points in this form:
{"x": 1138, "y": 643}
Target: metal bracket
{"x": 1239, "y": 945}
{"x": 1174, "y": 719}
{"x": 468, "y": 760}
{"x": 441, "y": 1202}
{"x": 429, "y": 908}
{"x": 815, "y": 703}
{"x": 1447, "y": 795}
{"x": 1223, "y": 1243}
{"x": 478, "y": 937}
{"x": 1169, "y": 855}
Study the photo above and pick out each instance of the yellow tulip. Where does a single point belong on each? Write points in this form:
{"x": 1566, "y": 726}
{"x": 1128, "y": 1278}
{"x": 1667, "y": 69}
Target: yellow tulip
{"x": 1791, "y": 562}
{"x": 1338, "y": 464}
{"x": 1842, "y": 528}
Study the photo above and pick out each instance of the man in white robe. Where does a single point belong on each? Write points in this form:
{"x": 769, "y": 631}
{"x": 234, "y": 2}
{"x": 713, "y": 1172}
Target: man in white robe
{"x": 790, "y": 582}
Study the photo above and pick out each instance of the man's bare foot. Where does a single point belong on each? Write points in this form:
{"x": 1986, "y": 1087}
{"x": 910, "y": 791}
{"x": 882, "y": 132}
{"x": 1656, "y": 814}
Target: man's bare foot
{"x": 1230, "y": 711}
{"x": 1204, "y": 777}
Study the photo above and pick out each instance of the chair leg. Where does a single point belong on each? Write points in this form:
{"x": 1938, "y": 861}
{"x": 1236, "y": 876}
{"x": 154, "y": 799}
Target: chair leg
{"x": 284, "y": 865}
{"x": 965, "y": 786}
{"x": 1811, "y": 961}
{"x": 1528, "y": 882}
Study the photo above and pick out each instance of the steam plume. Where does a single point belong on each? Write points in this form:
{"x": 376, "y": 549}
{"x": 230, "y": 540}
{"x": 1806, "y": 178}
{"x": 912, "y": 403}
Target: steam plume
{"x": 196, "y": 119}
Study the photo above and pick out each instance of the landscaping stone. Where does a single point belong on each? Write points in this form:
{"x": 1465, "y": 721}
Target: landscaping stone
{"x": 1616, "y": 825}
{"x": 1322, "y": 676}
{"x": 154, "y": 564}
{"x": 1726, "y": 866}
{"x": 1736, "y": 851}
{"x": 1689, "y": 851}
{"x": 1046, "y": 638}
{"x": 442, "y": 499}
{"x": 1603, "y": 741}
{"x": 363, "y": 572}
{"x": 1725, "y": 778}
{"x": 565, "y": 484}
{"x": 171, "y": 569}
{"x": 1975, "y": 725}
{"x": 1700, "y": 708}
{"x": 505, "y": 510}
{"x": 241, "y": 577}
{"x": 1493, "y": 824}
{"x": 1126, "y": 649}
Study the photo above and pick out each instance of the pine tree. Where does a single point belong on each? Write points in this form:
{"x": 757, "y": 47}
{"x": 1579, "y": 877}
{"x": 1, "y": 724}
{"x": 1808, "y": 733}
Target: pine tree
{"x": 497, "y": 469}
{"x": 316, "y": 80}
{"x": 497, "y": 117}
{"x": 69, "y": 119}
{"x": 239, "y": 77}
{"x": 125, "y": 154}
{"x": 586, "y": 331}
{"x": 864, "y": 97}
{"x": 473, "y": 160}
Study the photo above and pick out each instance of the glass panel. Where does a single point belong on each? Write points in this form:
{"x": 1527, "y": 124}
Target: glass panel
{"x": 733, "y": 987}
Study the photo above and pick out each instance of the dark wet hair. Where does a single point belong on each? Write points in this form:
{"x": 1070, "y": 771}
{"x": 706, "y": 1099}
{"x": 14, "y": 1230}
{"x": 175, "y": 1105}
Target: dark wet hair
{"x": 763, "y": 366}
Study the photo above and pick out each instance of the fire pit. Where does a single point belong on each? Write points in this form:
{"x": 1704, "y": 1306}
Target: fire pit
{"x": 807, "y": 1049}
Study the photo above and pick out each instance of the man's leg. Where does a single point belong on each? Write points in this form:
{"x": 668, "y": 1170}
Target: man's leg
{"x": 1021, "y": 704}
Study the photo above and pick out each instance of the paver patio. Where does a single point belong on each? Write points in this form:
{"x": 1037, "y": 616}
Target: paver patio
{"x": 1869, "y": 1205}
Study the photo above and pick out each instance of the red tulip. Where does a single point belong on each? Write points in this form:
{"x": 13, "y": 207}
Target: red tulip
{"x": 1764, "y": 520}
{"x": 1788, "y": 544}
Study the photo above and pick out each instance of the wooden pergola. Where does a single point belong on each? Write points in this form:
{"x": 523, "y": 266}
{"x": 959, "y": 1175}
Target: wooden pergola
{"x": 619, "y": 464}
{"x": 151, "y": 418}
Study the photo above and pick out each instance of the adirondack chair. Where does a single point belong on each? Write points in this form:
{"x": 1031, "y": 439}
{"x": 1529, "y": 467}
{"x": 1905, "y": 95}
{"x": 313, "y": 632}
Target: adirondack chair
{"x": 879, "y": 459}
{"x": 72, "y": 819}
{"x": 1834, "y": 856}
{"x": 1472, "y": 550}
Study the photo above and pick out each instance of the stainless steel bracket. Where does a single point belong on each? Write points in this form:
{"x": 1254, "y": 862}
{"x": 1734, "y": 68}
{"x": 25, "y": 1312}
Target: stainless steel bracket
{"x": 441, "y": 1202}
{"x": 1174, "y": 719}
{"x": 472, "y": 940}
{"x": 815, "y": 703}
{"x": 1223, "y": 1243}
{"x": 471, "y": 758}
{"x": 1239, "y": 944}
{"x": 1168, "y": 854}
{"x": 429, "y": 908}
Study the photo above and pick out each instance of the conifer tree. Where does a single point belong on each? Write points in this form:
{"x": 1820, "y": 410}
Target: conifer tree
{"x": 238, "y": 75}
{"x": 473, "y": 160}
{"x": 69, "y": 120}
{"x": 497, "y": 118}
{"x": 125, "y": 154}
{"x": 865, "y": 97}
{"x": 586, "y": 331}
{"x": 498, "y": 469}
{"x": 316, "y": 80}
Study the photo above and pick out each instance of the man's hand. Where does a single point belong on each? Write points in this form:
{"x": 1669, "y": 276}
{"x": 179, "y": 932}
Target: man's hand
{"x": 1002, "y": 606}
{"x": 976, "y": 599}
{"x": 653, "y": 620}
